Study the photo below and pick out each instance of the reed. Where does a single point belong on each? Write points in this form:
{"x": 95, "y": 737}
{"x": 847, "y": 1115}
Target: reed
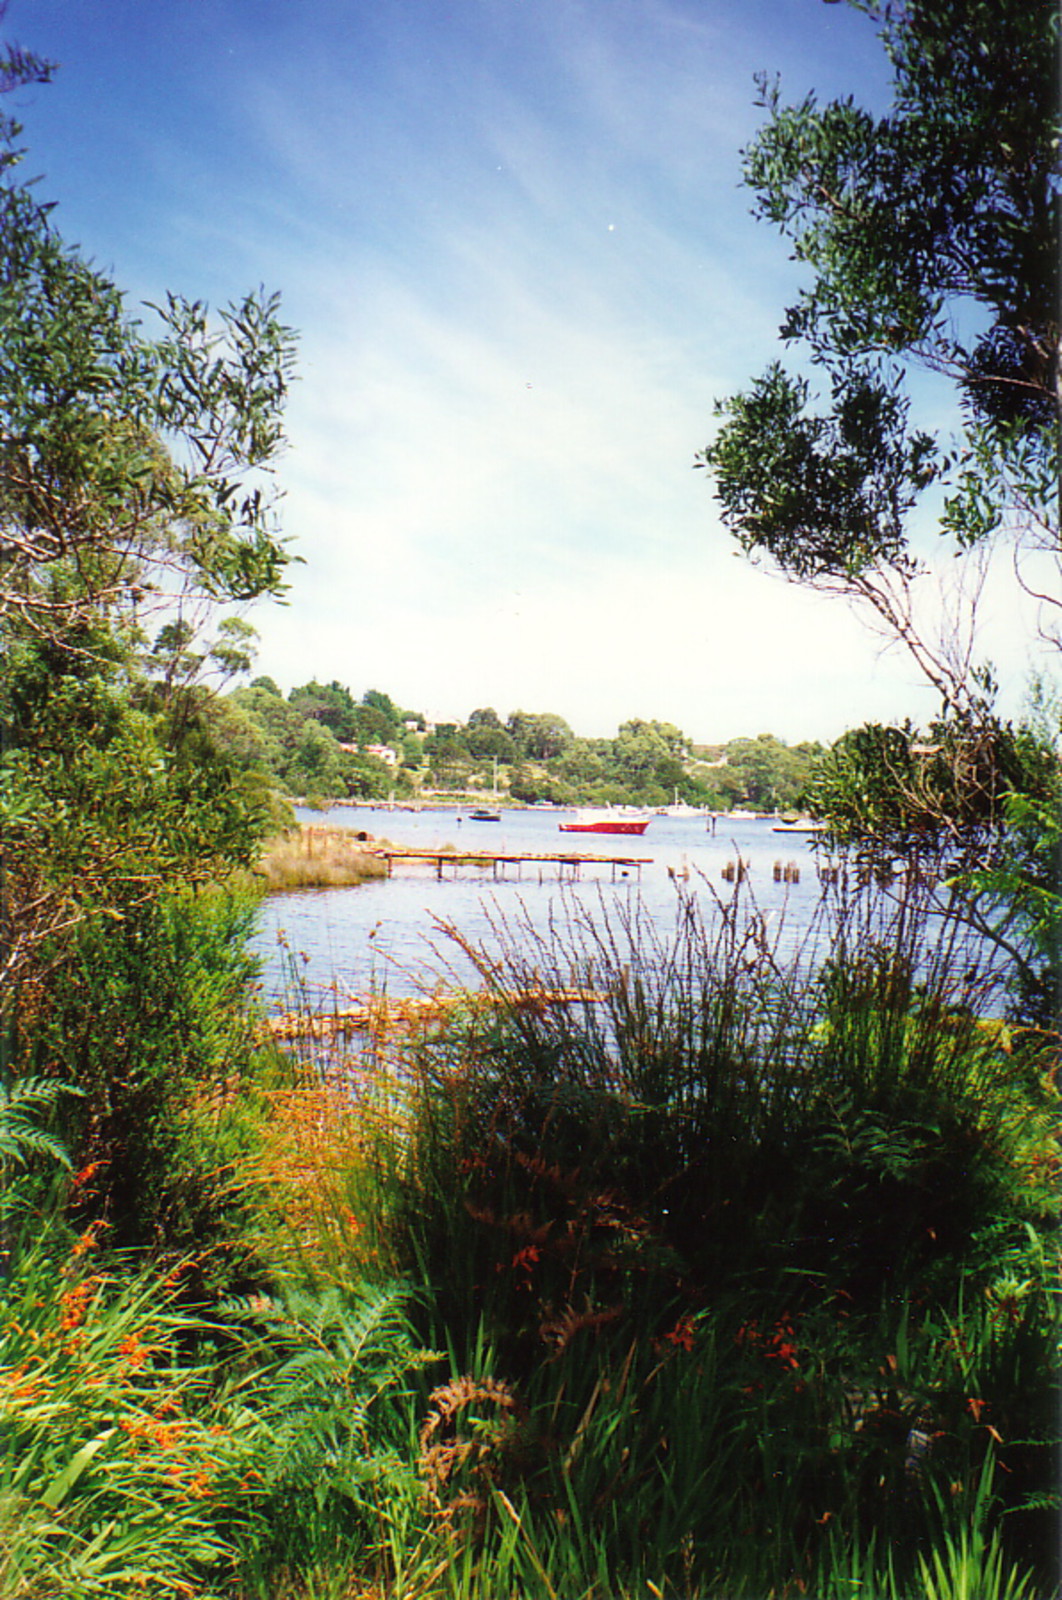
{"x": 759, "y": 1249}
{"x": 317, "y": 858}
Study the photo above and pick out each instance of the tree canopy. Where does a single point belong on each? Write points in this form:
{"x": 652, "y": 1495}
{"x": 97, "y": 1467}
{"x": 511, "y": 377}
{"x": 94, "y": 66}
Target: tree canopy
{"x": 135, "y": 494}
{"x": 929, "y": 237}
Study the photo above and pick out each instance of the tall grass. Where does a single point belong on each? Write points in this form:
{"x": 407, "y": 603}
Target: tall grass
{"x": 317, "y": 858}
{"x": 763, "y": 1252}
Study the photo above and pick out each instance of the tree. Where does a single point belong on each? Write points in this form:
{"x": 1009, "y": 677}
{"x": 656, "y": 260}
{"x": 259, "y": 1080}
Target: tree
{"x": 931, "y": 239}
{"x": 130, "y": 480}
{"x": 130, "y": 466}
{"x": 487, "y": 739}
{"x": 448, "y": 755}
{"x": 582, "y": 764}
{"x": 135, "y": 488}
{"x": 943, "y": 789}
{"x": 649, "y": 756}
{"x": 539, "y": 735}
{"x": 370, "y": 726}
{"x": 771, "y": 775}
{"x": 329, "y": 704}
{"x": 316, "y": 768}
{"x": 376, "y": 700}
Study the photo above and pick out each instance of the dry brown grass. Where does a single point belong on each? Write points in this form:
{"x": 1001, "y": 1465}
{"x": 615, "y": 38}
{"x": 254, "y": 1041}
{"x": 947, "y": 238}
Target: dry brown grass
{"x": 318, "y": 858}
{"x": 317, "y": 1169}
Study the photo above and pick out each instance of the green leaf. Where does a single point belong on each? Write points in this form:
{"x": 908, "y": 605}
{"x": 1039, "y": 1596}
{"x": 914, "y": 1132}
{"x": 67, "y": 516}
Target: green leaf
{"x": 61, "y": 1485}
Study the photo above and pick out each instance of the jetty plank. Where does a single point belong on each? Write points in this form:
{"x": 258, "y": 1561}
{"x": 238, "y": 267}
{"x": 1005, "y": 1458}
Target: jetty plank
{"x": 494, "y": 859}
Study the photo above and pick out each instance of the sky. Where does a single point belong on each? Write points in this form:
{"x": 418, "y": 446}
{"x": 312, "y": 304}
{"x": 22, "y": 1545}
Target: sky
{"x": 512, "y": 238}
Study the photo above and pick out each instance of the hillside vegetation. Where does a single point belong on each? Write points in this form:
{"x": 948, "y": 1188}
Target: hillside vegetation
{"x": 321, "y": 744}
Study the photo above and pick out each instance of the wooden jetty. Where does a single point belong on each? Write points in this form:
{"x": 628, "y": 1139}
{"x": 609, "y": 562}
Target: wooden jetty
{"x": 565, "y": 861}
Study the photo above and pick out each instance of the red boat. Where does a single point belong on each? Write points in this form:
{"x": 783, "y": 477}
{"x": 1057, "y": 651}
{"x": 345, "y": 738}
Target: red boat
{"x": 605, "y": 822}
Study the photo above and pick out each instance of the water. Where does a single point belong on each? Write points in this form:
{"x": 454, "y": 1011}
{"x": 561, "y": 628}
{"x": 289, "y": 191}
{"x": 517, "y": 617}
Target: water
{"x": 385, "y": 934}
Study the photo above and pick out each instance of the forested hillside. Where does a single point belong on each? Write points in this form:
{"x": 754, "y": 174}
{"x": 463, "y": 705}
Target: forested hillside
{"x": 320, "y": 743}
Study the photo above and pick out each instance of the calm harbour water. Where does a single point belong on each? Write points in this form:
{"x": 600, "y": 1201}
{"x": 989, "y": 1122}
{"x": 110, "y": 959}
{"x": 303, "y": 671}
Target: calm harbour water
{"x": 386, "y": 935}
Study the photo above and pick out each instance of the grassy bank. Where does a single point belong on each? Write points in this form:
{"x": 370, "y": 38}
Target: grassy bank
{"x": 717, "y": 1280}
{"x": 310, "y": 857}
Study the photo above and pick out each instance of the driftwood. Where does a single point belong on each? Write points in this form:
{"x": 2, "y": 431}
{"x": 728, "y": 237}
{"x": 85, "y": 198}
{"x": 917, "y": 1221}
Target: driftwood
{"x": 381, "y": 1016}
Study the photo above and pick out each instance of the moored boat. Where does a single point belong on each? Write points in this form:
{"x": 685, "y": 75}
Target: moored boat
{"x": 605, "y": 822}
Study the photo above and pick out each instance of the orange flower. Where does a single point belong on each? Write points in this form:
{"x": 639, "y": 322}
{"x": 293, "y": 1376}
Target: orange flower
{"x": 681, "y": 1335}
{"x": 88, "y": 1240}
{"x": 135, "y": 1427}
{"x": 784, "y": 1351}
{"x": 166, "y": 1434}
{"x": 20, "y": 1389}
{"x": 81, "y": 1178}
{"x": 523, "y": 1261}
{"x": 73, "y": 1304}
{"x": 133, "y": 1352}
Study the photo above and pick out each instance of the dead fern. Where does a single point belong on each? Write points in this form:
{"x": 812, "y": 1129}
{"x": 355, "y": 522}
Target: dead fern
{"x": 471, "y": 1433}
{"x": 559, "y": 1330}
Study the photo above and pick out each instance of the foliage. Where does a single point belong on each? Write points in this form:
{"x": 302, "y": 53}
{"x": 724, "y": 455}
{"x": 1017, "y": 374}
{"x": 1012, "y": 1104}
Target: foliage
{"x": 1018, "y": 900}
{"x": 148, "y": 1018}
{"x": 487, "y": 738}
{"x": 975, "y": 804}
{"x": 746, "y": 1272}
{"x": 99, "y": 810}
{"x": 769, "y": 774}
{"x": 929, "y": 236}
{"x": 759, "y": 1257}
{"x": 329, "y": 1401}
{"x": 293, "y": 744}
{"x": 108, "y": 1472}
{"x": 950, "y": 783}
{"x": 87, "y": 487}
{"x": 134, "y": 483}
{"x": 929, "y": 241}
{"x": 539, "y": 734}
{"x": 21, "y": 1135}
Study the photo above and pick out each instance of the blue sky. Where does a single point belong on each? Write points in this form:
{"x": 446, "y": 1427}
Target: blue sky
{"x": 512, "y": 238}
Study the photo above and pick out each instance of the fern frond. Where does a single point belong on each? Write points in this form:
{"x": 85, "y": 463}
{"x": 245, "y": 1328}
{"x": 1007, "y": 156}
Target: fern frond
{"x": 21, "y": 1107}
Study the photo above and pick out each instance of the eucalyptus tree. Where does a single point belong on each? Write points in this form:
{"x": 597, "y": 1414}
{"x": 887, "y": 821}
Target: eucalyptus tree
{"x": 929, "y": 238}
{"x": 135, "y": 484}
{"x": 137, "y": 502}
{"x": 929, "y": 241}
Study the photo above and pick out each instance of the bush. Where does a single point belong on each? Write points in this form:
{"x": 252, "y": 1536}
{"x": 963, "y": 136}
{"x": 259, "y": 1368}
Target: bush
{"x": 151, "y": 1018}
